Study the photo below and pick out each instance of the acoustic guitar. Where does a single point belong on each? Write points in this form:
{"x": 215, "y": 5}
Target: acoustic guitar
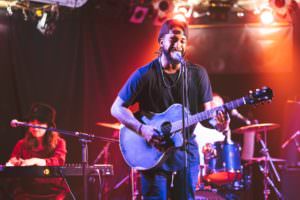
{"x": 141, "y": 155}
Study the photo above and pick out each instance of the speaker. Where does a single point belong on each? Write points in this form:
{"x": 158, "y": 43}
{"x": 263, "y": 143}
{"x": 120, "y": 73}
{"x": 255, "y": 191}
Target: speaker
{"x": 290, "y": 182}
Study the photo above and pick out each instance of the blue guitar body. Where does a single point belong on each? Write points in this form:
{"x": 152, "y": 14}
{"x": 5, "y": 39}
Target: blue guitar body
{"x": 141, "y": 155}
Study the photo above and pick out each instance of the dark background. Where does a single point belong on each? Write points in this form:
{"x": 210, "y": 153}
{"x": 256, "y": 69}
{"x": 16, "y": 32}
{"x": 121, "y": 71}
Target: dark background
{"x": 81, "y": 67}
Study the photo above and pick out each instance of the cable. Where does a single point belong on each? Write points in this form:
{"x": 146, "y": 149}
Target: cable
{"x": 100, "y": 184}
{"x": 65, "y": 180}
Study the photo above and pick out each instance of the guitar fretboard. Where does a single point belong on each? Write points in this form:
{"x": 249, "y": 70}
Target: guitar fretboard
{"x": 193, "y": 119}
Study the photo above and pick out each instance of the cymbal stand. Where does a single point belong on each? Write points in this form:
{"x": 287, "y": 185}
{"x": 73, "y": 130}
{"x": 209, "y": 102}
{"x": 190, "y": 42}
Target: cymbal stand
{"x": 265, "y": 168}
{"x": 135, "y": 194}
{"x": 270, "y": 182}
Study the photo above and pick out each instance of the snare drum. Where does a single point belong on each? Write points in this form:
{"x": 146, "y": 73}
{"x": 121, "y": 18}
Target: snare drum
{"x": 223, "y": 163}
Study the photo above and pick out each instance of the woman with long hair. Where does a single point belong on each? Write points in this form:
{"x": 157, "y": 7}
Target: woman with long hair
{"x": 40, "y": 147}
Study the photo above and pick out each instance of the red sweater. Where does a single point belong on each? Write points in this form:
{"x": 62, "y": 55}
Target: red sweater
{"x": 41, "y": 188}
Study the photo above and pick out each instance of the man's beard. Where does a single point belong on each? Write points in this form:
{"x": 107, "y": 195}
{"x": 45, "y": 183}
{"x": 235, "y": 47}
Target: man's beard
{"x": 168, "y": 54}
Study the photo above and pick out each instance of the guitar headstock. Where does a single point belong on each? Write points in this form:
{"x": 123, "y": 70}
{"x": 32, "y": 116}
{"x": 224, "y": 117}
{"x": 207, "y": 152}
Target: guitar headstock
{"x": 265, "y": 94}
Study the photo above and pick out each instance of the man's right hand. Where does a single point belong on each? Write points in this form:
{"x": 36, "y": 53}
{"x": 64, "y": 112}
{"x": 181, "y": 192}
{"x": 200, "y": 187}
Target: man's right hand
{"x": 149, "y": 133}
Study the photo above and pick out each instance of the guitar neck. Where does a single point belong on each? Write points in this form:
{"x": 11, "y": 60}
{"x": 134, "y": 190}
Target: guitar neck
{"x": 193, "y": 119}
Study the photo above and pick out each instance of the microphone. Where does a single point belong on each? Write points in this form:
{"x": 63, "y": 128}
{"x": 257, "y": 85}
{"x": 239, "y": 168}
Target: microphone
{"x": 290, "y": 139}
{"x": 179, "y": 57}
{"x": 15, "y": 123}
{"x": 237, "y": 114}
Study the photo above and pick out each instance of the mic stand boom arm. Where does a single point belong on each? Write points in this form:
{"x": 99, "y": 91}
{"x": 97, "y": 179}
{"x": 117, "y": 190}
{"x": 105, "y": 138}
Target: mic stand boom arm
{"x": 72, "y": 133}
{"x": 290, "y": 139}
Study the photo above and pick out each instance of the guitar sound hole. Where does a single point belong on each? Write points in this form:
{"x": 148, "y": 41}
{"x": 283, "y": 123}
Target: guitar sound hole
{"x": 166, "y": 128}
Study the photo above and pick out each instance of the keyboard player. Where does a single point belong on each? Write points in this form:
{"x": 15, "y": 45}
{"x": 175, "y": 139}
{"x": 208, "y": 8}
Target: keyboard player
{"x": 40, "y": 147}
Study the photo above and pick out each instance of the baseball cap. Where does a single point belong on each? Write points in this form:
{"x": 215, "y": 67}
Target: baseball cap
{"x": 43, "y": 113}
{"x": 169, "y": 24}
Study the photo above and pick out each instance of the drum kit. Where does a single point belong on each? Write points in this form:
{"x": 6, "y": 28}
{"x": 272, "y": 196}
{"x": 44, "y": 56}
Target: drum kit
{"x": 223, "y": 164}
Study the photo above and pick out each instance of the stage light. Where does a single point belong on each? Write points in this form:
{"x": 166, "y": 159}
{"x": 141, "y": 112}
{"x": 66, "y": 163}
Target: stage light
{"x": 240, "y": 14}
{"x": 266, "y": 16}
{"x": 194, "y": 2}
{"x": 139, "y": 14}
{"x": 41, "y": 25}
{"x": 183, "y": 8}
{"x": 163, "y": 10}
{"x": 180, "y": 17}
{"x": 280, "y": 7}
{"x": 46, "y": 24}
{"x": 163, "y": 5}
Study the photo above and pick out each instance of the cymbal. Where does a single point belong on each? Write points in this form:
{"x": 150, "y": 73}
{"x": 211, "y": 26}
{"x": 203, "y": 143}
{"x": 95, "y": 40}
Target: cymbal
{"x": 116, "y": 125}
{"x": 260, "y": 159}
{"x": 256, "y": 128}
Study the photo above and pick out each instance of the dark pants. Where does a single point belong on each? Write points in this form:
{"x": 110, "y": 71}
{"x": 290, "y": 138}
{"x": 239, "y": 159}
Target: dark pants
{"x": 157, "y": 184}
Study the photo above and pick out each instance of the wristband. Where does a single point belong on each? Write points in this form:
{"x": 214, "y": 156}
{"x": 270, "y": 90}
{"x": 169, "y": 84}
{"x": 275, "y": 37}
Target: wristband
{"x": 140, "y": 129}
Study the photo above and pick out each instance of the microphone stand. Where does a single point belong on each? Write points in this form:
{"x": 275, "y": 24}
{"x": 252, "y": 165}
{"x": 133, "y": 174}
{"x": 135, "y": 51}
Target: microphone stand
{"x": 84, "y": 139}
{"x": 293, "y": 137}
{"x": 184, "y": 120}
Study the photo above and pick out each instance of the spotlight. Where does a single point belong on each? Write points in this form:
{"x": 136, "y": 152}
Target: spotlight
{"x": 180, "y": 17}
{"x": 266, "y": 16}
{"x": 183, "y": 9}
{"x": 46, "y": 24}
{"x": 280, "y": 7}
{"x": 163, "y": 10}
{"x": 138, "y": 15}
{"x": 163, "y": 5}
{"x": 41, "y": 25}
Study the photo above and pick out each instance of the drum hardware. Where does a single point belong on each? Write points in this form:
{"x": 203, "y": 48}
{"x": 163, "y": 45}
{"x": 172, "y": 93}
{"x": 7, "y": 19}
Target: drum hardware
{"x": 256, "y": 128}
{"x": 116, "y": 126}
{"x": 262, "y": 158}
{"x": 133, "y": 177}
{"x": 270, "y": 182}
{"x": 223, "y": 163}
{"x": 265, "y": 168}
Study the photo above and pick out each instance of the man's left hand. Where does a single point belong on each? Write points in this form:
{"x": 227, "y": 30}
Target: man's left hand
{"x": 223, "y": 120}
